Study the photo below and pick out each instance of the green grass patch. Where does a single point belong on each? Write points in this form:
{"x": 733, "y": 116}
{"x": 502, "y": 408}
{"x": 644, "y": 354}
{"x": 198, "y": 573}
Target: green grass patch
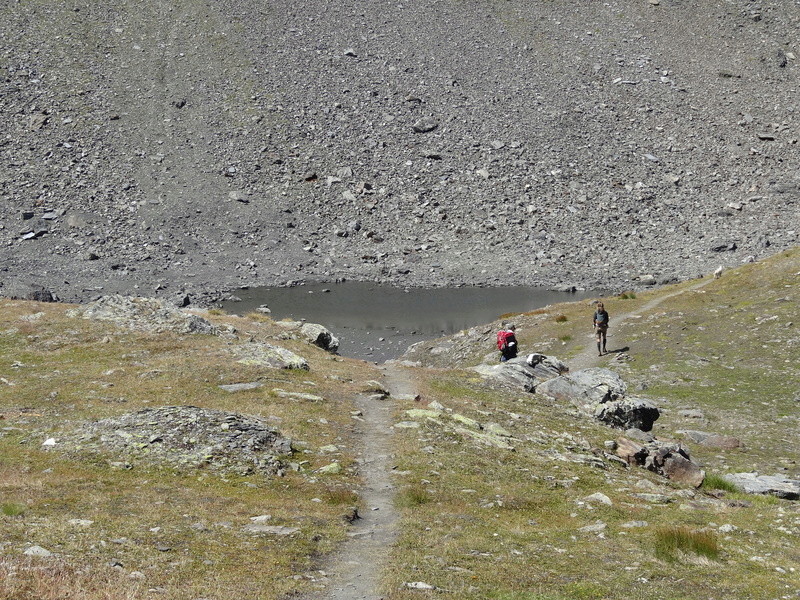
{"x": 672, "y": 542}
{"x": 12, "y": 509}
{"x": 717, "y": 482}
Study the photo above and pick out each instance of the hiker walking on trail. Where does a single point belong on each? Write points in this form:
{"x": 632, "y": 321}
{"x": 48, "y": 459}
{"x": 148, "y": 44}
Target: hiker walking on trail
{"x": 600, "y": 322}
{"x": 507, "y": 342}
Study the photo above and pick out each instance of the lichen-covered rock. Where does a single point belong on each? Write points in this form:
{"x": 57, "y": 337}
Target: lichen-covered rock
{"x": 186, "y": 437}
{"x": 320, "y": 336}
{"x": 267, "y": 355}
{"x": 144, "y": 314}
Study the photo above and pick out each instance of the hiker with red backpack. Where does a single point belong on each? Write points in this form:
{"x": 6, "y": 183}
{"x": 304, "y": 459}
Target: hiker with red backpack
{"x": 507, "y": 342}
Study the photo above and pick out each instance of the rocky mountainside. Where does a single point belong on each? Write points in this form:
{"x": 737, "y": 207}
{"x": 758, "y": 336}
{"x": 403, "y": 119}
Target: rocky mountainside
{"x": 172, "y": 146}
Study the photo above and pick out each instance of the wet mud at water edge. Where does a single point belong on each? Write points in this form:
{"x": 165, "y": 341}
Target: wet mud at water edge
{"x": 378, "y": 322}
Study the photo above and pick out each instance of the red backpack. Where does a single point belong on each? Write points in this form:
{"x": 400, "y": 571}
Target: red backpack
{"x": 502, "y": 339}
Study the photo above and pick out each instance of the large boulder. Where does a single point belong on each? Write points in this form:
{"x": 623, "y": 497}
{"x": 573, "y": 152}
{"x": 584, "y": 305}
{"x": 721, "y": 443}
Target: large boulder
{"x": 600, "y": 393}
{"x": 320, "y": 336}
{"x": 628, "y": 413}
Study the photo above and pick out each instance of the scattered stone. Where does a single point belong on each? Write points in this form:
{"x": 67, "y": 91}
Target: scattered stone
{"x": 421, "y": 413}
{"x": 261, "y": 518}
{"x": 634, "y": 524}
{"x": 332, "y": 469}
{"x": 711, "y": 440}
{"x": 598, "y": 497}
{"x": 425, "y": 125}
{"x": 280, "y": 530}
{"x": 419, "y": 585}
{"x": 297, "y": 395}
{"x": 595, "y": 528}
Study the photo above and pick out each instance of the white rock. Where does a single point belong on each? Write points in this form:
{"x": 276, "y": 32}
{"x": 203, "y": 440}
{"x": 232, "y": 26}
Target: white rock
{"x": 599, "y": 497}
{"x": 419, "y": 585}
{"x": 80, "y": 522}
{"x": 37, "y": 551}
{"x": 261, "y": 518}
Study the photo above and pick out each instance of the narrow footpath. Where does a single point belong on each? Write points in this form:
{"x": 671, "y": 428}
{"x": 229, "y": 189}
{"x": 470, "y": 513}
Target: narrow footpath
{"x": 354, "y": 572}
{"x": 588, "y": 356}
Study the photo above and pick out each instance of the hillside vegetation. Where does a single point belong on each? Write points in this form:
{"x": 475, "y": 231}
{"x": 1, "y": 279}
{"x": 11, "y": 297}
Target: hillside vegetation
{"x": 554, "y": 518}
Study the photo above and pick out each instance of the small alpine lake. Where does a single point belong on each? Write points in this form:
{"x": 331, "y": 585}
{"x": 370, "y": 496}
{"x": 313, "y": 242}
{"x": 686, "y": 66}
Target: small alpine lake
{"x": 377, "y": 322}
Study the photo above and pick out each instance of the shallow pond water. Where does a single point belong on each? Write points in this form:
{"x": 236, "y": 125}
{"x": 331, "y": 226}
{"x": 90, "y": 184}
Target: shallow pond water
{"x": 378, "y": 322}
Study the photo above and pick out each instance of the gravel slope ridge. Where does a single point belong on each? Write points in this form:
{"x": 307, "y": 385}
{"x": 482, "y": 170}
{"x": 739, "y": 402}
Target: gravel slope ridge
{"x": 177, "y": 146}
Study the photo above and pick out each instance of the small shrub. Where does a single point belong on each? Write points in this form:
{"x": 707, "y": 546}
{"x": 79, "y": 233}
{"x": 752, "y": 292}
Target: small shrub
{"x": 716, "y": 482}
{"x": 672, "y": 541}
{"x": 412, "y": 496}
{"x": 11, "y": 509}
{"x": 627, "y": 296}
{"x": 565, "y": 338}
{"x": 258, "y": 317}
{"x": 561, "y": 319}
{"x": 216, "y": 311}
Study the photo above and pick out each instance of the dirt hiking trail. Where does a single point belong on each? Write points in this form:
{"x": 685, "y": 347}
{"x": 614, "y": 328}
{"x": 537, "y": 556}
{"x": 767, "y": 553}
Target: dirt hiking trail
{"x": 354, "y": 572}
{"x": 588, "y": 356}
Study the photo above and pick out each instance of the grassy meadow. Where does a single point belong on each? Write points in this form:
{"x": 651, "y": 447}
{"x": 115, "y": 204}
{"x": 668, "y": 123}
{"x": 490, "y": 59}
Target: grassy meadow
{"x": 553, "y": 519}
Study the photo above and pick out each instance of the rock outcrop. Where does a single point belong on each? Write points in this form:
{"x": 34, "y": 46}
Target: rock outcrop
{"x": 600, "y": 393}
{"x": 667, "y": 459}
{"x": 523, "y": 372}
{"x": 773, "y": 485}
{"x": 185, "y": 437}
{"x": 144, "y": 314}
